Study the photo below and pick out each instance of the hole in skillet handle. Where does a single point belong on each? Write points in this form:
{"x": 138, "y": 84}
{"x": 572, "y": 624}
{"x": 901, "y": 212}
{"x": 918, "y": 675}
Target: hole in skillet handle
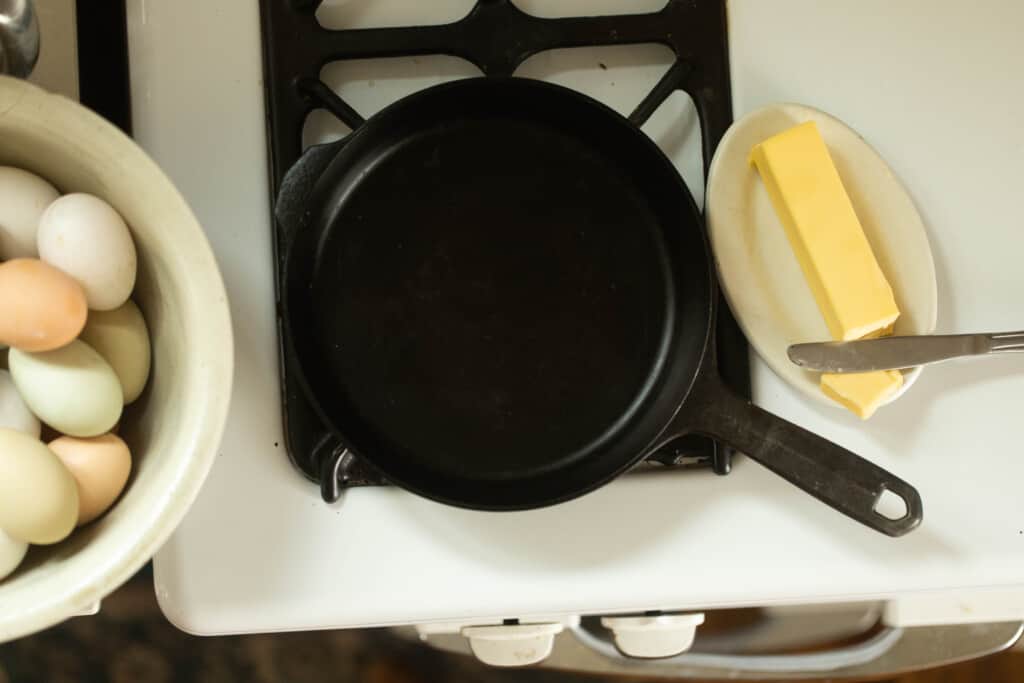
{"x": 837, "y": 477}
{"x": 897, "y": 512}
{"x": 891, "y": 506}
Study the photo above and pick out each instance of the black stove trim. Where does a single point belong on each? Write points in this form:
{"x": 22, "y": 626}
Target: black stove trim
{"x": 104, "y": 83}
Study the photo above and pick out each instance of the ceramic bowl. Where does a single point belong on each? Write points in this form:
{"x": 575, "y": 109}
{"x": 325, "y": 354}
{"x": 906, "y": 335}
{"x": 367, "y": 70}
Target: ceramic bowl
{"x": 174, "y": 428}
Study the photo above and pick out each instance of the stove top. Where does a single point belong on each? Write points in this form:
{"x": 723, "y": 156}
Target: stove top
{"x": 259, "y": 551}
{"x": 303, "y": 60}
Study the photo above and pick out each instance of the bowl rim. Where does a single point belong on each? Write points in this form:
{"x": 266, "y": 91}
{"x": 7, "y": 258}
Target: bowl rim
{"x": 211, "y": 339}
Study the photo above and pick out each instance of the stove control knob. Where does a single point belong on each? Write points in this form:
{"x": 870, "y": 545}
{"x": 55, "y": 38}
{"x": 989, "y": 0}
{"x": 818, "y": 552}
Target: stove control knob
{"x": 512, "y": 644}
{"x": 663, "y": 635}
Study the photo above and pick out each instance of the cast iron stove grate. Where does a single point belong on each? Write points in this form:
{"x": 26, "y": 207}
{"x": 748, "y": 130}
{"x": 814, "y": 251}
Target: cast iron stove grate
{"x": 497, "y": 37}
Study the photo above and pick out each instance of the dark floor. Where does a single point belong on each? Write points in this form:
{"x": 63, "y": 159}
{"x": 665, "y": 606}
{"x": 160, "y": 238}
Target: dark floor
{"x": 130, "y": 642}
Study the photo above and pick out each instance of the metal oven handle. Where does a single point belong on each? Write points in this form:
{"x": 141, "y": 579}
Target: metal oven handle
{"x": 890, "y": 652}
{"x": 19, "y": 37}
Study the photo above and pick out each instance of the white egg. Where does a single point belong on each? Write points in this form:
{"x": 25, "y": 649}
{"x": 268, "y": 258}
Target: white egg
{"x": 72, "y": 388}
{"x": 12, "y": 552}
{"x": 120, "y": 336}
{"x": 14, "y": 414}
{"x": 87, "y": 239}
{"x": 23, "y": 198}
{"x": 38, "y": 495}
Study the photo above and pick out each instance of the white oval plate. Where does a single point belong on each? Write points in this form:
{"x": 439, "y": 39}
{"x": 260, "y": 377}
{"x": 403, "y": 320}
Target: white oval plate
{"x": 760, "y": 276}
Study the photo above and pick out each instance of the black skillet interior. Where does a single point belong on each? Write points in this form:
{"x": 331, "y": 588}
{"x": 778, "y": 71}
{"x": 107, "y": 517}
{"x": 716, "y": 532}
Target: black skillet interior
{"x": 502, "y": 295}
{"x": 489, "y": 290}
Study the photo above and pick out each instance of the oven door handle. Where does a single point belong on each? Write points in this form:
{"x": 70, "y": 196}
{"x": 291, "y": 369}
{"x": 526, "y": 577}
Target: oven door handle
{"x": 891, "y": 651}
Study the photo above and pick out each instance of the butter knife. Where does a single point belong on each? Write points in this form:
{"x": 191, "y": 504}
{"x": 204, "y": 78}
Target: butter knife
{"x": 893, "y": 353}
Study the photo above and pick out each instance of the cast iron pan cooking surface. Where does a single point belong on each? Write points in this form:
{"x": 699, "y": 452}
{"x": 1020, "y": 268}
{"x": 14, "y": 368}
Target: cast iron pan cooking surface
{"x": 500, "y": 294}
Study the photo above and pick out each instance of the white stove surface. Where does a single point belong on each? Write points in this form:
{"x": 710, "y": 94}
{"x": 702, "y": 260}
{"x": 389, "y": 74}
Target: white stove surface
{"x": 933, "y": 86}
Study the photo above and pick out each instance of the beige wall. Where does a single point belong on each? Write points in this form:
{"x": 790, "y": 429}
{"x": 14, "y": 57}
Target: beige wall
{"x": 57, "y": 69}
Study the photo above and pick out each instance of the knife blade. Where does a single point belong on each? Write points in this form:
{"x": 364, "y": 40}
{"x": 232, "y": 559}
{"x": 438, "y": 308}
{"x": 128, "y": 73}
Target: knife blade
{"x": 894, "y": 353}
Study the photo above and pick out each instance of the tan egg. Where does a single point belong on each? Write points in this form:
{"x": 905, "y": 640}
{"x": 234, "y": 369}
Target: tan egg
{"x": 41, "y": 308}
{"x": 38, "y": 495}
{"x": 120, "y": 336}
{"x": 14, "y": 414}
{"x": 23, "y": 198}
{"x": 12, "y": 552}
{"x": 100, "y": 466}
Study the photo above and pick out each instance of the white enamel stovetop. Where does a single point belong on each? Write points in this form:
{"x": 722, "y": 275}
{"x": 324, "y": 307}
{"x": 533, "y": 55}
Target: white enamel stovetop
{"x": 935, "y": 87}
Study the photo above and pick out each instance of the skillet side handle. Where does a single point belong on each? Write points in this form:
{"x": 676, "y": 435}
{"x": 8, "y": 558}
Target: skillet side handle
{"x": 291, "y": 206}
{"x": 830, "y": 473}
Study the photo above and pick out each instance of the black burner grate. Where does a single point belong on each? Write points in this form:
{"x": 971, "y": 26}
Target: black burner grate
{"x": 497, "y": 37}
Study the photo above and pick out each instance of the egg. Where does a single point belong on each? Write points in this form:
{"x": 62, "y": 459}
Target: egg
{"x": 12, "y": 552}
{"x": 23, "y": 198}
{"x": 120, "y": 336}
{"x": 41, "y": 308}
{"x": 72, "y": 388}
{"x": 14, "y": 414}
{"x": 87, "y": 239}
{"x": 100, "y": 466}
{"x": 38, "y": 495}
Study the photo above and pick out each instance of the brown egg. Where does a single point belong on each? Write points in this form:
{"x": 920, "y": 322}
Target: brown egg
{"x": 100, "y": 466}
{"x": 41, "y": 308}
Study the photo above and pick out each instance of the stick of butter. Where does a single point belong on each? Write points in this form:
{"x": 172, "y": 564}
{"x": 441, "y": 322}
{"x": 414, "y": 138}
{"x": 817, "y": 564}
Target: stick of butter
{"x": 848, "y": 285}
{"x": 863, "y": 392}
{"x": 836, "y": 258}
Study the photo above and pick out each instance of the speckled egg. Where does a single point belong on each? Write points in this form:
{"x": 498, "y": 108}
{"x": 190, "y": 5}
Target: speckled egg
{"x": 87, "y": 239}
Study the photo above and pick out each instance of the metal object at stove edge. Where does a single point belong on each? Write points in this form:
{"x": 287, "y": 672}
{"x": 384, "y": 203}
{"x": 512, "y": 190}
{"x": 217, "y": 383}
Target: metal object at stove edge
{"x": 19, "y": 37}
{"x": 340, "y": 469}
{"x": 894, "y": 353}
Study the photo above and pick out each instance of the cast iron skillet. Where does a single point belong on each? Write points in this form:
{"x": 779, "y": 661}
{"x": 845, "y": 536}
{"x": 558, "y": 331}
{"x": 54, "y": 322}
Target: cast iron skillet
{"x": 500, "y": 294}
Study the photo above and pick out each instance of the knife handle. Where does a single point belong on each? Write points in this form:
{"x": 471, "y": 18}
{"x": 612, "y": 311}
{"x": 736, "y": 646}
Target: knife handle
{"x": 1005, "y": 342}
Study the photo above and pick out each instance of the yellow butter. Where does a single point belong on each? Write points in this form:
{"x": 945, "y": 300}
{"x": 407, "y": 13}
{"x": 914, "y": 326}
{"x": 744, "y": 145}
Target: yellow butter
{"x": 863, "y": 392}
{"x": 808, "y": 195}
{"x": 836, "y": 258}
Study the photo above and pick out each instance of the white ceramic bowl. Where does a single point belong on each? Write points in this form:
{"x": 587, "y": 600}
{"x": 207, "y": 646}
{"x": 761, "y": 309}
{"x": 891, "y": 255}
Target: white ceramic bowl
{"x": 175, "y": 427}
{"x": 761, "y": 277}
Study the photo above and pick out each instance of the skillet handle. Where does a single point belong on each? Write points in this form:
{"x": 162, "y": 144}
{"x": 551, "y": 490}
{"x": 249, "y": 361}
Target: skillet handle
{"x": 291, "y": 204}
{"x": 830, "y": 473}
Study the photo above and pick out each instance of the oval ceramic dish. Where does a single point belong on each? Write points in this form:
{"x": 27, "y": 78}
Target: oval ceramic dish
{"x": 760, "y": 276}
